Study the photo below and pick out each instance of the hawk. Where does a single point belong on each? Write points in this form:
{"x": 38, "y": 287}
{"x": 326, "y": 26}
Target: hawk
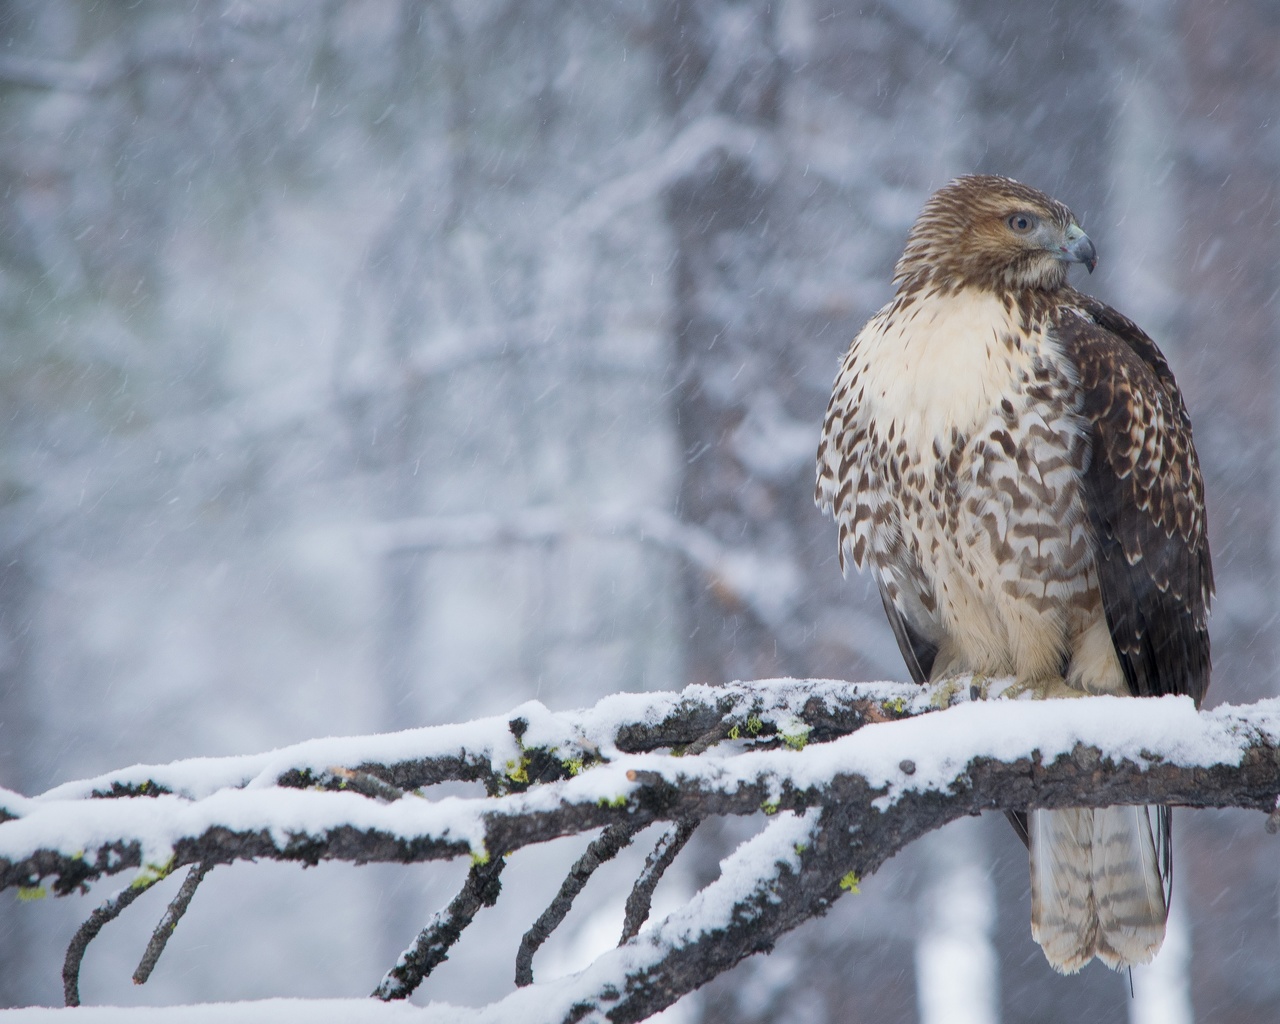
{"x": 1012, "y": 461}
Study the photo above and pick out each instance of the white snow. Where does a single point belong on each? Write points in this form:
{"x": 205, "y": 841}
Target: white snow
{"x": 573, "y": 732}
{"x": 265, "y": 1011}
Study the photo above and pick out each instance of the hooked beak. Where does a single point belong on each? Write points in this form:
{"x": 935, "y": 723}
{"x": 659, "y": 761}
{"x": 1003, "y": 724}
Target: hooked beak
{"x": 1077, "y": 248}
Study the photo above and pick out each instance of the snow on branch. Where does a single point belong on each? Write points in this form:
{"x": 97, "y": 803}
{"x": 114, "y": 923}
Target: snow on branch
{"x": 277, "y": 804}
{"x": 841, "y": 799}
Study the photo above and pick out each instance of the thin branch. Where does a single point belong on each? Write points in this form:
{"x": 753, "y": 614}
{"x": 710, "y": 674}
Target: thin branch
{"x": 169, "y": 922}
{"x": 664, "y": 853}
{"x": 88, "y": 931}
{"x": 704, "y": 135}
{"x": 717, "y": 734}
{"x": 48, "y": 73}
{"x": 363, "y": 783}
{"x": 432, "y": 946}
{"x": 768, "y": 586}
{"x": 601, "y": 850}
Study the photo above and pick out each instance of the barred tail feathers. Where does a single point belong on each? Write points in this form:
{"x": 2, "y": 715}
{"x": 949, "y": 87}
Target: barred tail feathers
{"x": 1128, "y": 888}
{"x": 1096, "y": 887}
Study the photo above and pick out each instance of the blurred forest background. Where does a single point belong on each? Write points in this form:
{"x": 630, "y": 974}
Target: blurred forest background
{"x": 377, "y": 363}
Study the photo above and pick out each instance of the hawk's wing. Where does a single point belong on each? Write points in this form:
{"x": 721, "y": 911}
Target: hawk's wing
{"x": 1145, "y": 498}
{"x": 911, "y": 624}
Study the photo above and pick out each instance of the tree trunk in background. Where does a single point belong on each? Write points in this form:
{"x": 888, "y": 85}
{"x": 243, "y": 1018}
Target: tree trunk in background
{"x": 1145, "y": 214}
{"x": 722, "y": 59}
{"x": 17, "y": 749}
{"x": 750, "y": 381}
{"x": 1227, "y": 179}
{"x": 957, "y": 976}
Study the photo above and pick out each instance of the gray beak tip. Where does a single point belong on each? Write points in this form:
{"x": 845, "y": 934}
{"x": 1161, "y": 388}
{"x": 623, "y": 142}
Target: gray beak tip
{"x": 1081, "y": 250}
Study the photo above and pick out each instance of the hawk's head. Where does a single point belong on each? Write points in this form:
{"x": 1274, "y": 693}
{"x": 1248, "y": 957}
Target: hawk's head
{"x": 989, "y": 232}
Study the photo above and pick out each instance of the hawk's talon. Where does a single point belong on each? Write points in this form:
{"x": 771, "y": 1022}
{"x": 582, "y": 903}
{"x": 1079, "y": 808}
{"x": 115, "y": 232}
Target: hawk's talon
{"x": 947, "y": 691}
{"x": 1049, "y": 688}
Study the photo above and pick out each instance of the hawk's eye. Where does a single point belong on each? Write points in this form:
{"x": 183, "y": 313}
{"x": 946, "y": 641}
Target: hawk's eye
{"x": 1021, "y": 223}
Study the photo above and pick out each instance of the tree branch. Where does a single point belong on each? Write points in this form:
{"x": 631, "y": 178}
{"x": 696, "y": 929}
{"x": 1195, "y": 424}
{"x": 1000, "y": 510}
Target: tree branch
{"x": 88, "y": 931}
{"x": 95, "y": 74}
{"x": 799, "y": 866}
{"x": 768, "y": 586}
{"x": 432, "y": 946}
{"x": 169, "y": 922}
{"x": 602, "y": 849}
{"x": 664, "y": 853}
{"x": 488, "y": 750}
{"x": 309, "y": 825}
{"x": 843, "y": 799}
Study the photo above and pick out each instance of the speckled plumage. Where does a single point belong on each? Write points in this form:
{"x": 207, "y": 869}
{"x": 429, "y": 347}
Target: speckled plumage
{"x": 1013, "y": 462}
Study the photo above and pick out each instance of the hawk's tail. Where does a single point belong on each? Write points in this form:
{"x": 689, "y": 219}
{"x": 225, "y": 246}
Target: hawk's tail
{"x": 1096, "y": 887}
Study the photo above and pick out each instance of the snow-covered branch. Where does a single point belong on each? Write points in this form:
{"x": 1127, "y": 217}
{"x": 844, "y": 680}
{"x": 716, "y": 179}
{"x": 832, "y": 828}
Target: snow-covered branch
{"x": 842, "y": 800}
{"x": 280, "y": 804}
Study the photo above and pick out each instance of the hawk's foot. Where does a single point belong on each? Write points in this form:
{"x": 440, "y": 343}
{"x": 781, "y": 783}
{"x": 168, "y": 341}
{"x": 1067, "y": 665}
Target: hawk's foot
{"x": 1046, "y": 688}
{"x": 948, "y": 690}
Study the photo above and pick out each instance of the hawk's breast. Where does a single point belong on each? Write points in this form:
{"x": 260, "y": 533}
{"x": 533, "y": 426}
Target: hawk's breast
{"x": 952, "y": 458}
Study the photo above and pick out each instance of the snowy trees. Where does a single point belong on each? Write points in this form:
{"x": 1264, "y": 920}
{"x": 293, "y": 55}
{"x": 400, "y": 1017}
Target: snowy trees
{"x": 846, "y": 776}
{"x": 377, "y": 364}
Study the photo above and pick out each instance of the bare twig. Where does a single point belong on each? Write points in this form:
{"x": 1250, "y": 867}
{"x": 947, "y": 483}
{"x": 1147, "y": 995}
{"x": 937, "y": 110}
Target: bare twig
{"x": 718, "y": 734}
{"x": 601, "y": 850}
{"x": 432, "y": 946}
{"x": 88, "y": 931}
{"x": 664, "y": 852}
{"x": 169, "y": 922}
{"x": 366, "y": 785}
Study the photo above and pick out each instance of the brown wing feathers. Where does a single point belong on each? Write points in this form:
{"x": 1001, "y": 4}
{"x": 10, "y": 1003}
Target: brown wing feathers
{"x": 1145, "y": 500}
